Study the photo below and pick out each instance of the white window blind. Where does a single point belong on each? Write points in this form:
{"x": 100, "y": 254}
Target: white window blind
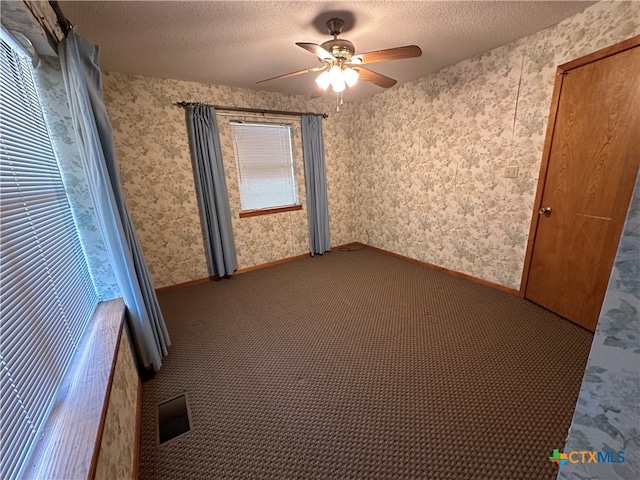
{"x": 265, "y": 165}
{"x": 46, "y": 292}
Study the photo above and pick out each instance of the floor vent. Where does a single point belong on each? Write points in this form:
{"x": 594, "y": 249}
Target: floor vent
{"x": 173, "y": 418}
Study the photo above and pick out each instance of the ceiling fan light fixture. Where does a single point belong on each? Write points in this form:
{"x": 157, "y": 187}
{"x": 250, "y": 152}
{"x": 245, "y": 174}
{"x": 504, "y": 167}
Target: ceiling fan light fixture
{"x": 324, "y": 80}
{"x": 337, "y": 56}
{"x": 350, "y": 76}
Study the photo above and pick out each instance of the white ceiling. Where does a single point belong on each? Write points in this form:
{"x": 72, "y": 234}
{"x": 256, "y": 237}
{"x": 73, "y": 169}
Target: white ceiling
{"x": 237, "y": 43}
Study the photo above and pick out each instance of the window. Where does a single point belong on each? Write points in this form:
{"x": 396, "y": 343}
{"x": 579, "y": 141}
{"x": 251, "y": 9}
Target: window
{"x": 265, "y": 165}
{"x": 46, "y": 291}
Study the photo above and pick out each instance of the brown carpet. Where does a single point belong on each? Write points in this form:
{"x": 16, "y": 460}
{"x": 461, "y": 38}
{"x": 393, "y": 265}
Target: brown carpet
{"x": 360, "y": 365}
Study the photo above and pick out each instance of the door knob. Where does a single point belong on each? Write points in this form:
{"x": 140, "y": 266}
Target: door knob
{"x": 546, "y": 211}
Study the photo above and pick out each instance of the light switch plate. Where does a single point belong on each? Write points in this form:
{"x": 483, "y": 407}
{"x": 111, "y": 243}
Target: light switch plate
{"x": 511, "y": 171}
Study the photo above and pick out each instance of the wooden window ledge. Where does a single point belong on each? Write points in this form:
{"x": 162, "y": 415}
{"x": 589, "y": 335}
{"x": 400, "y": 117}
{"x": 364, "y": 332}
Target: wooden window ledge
{"x": 269, "y": 211}
{"x": 69, "y": 443}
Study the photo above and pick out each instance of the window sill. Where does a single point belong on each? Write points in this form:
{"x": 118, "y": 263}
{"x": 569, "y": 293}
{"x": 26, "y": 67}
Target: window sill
{"x": 70, "y": 440}
{"x": 269, "y": 211}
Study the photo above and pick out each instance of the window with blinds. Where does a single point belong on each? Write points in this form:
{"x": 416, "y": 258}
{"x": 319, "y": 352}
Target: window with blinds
{"x": 46, "y": 292}
{"x": 265, "y": 165}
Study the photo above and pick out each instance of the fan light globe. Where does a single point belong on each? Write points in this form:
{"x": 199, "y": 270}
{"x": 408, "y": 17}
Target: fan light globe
{"x": 335, "y": 73}
{"x": 350, "y": 76}
{"x": 335, "y": 76}
{"x": 323, "y": 80}
{"x": 338, "y": 85}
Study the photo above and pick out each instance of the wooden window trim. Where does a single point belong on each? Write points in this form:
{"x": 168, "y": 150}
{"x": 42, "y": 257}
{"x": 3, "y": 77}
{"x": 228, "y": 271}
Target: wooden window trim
{"x": 269, "y": 211}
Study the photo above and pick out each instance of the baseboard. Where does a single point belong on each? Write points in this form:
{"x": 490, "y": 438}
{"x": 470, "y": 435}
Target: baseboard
{"x": 270, "y": 264}
{"x": 186, "y": 284}
{"x": 138, "y": 432}
{"x": 347, "y": 245}
{"x": 245, "y": 269}
{"x": 454, "y": 273}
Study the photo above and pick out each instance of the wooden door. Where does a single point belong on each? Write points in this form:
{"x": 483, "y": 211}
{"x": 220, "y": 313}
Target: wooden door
{"x": 593, "y": 161}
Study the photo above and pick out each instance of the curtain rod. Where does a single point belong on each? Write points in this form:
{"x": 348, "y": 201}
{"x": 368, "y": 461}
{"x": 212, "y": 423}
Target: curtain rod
{"x": 252, "y": 110}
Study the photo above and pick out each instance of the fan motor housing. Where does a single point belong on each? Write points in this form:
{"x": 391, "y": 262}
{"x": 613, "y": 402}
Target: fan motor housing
{"x": 340, "y": 48}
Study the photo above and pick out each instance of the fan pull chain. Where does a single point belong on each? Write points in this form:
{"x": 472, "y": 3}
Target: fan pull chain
{"x": 339, "y": 101}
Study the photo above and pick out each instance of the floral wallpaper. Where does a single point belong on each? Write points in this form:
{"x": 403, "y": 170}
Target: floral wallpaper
{"x": 156, "y": 171}
{"x": 117, "y": 449}
{"x": 607, "y": 416}
{"x": 431, "y": 153}
{"x": 58, "y": 119}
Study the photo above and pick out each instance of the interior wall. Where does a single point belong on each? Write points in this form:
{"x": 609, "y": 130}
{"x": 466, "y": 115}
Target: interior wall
{"x": 432, "y": 153}
{"x": 157, "y": 175}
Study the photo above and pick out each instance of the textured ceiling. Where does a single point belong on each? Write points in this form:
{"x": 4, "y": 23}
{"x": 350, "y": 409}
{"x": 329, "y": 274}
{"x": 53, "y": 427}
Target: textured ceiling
{"x": 237, "y": 43}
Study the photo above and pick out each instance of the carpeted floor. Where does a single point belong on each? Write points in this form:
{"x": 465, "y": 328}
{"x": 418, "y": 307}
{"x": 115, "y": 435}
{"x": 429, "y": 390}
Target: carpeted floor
{"x": 360, "y": 365}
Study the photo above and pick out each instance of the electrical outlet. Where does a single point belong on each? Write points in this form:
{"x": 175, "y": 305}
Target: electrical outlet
{"x": 511, "y": 171}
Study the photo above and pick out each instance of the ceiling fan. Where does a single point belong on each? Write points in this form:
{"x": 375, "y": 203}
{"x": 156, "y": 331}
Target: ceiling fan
{"x": 341, "y": 67}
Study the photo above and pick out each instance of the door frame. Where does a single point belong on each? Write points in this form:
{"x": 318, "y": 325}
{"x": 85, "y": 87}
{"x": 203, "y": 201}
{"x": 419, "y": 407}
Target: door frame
{"x": 548, "y": 140}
